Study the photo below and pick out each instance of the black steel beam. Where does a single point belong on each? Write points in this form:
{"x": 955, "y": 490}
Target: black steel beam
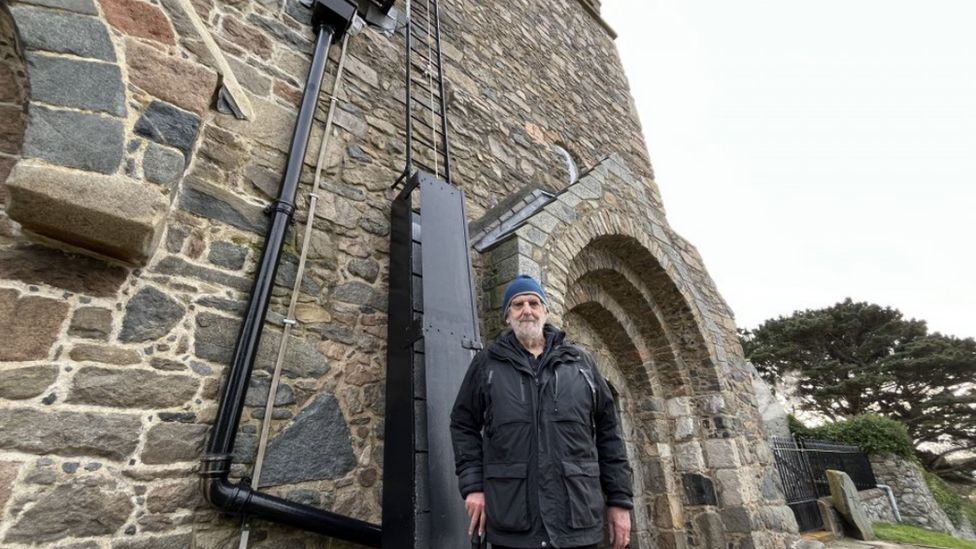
{"x": 399, "y": 483}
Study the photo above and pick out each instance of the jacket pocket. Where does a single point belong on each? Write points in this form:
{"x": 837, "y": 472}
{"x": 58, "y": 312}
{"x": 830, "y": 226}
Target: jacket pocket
{"x": 506, "y": 501}
{"x": 585, "y": 503}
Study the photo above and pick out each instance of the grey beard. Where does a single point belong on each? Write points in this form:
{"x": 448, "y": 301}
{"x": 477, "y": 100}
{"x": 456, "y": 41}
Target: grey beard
{"x": 527, "y": 332}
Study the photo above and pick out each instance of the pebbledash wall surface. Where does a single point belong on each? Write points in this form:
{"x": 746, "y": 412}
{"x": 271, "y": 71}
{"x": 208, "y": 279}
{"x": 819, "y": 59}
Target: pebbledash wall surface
{"x": 133, "y": 218}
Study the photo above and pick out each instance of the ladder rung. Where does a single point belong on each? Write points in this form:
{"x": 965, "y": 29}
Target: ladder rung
{"x": 423, "y": 164}
{"x": 427, "y": 168}
{"x": 418, "y": 27}
{"x": 423, "y": 49}
{"x": 418, "y": 103}
{"x": 437, "y": 157}
{"x": 424, "y": 123}
{"x": 423, "y": 86}
{"x": 427, "y": 107}
{"x": 423, "y": 55}
{"x": 423, "y": 66}
{"x": 425, "y": 15}
{"x": 422, "y": 139}
{"x": 421, "y": 69}
{"x": 431, "y": 32}
{"x": 420, "y": 142}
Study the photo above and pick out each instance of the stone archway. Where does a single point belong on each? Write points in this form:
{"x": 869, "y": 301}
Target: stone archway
{"x": 614, "y": 306}
{"x": 611, "y": 294}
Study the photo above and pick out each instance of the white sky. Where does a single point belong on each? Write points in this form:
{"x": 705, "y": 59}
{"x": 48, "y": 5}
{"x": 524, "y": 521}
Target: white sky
{"x": 815, "y": 151}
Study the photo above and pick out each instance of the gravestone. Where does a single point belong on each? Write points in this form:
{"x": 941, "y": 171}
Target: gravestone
{"x": 848, "y": 504}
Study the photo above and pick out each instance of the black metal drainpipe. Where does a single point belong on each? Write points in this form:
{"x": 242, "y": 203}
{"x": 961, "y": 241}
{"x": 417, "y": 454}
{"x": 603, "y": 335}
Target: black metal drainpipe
{"x": 242, "y": 498}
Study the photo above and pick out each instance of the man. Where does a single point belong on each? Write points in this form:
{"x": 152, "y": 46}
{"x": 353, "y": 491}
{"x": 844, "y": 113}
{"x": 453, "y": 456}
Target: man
{"x": 536, "y": 443}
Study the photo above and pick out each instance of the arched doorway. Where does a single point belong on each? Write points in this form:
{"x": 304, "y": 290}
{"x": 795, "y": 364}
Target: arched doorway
{"x": 617, "y": 306}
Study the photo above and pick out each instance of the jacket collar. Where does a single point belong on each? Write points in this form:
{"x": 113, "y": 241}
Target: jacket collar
{"x": 508, "y": 347}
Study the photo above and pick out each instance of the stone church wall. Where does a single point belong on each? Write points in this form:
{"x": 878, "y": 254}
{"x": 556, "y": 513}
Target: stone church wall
{"x": 132, "y": 224}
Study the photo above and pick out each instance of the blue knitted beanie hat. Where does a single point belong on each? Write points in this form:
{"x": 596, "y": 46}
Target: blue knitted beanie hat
{"x": 523, "y": 284}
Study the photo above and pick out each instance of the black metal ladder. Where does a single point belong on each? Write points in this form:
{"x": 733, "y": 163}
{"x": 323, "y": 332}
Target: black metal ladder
{"x": 425, "y": 103}
{"x": 433, "y": 322}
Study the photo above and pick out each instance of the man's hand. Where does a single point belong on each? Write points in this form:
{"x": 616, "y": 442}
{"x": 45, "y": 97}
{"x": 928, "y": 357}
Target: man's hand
{"x": 475, "y": 505}
{"x": 618, "y": 523}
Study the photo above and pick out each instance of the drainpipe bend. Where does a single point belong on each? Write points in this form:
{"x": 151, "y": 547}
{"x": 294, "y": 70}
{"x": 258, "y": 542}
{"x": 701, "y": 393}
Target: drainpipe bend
{"x": 241, "y": 498}
{"x": 891, "y": 500}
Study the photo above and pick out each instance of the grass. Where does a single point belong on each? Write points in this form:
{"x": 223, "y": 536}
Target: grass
{"x": 950, "y": 502}
{"x": 969, "y": 510}
{"x": 903, "y": 533}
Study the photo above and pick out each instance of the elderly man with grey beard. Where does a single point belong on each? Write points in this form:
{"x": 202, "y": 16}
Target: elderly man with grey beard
{"x": 537, "y": 447}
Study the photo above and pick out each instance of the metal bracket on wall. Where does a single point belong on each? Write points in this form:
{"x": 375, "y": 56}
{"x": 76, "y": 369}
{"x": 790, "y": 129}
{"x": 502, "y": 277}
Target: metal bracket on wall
{"x": 415, "y": 331}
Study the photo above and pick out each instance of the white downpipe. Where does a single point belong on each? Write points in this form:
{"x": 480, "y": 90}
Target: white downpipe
{"x": 891, "y": 499}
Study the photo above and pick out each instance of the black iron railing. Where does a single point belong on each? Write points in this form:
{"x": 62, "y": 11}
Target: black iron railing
{"x": 839, "y": 457}
{"x": 802, "y": 466}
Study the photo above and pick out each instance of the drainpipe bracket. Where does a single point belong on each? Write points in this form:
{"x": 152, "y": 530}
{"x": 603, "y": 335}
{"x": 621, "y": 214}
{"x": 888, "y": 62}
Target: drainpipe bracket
{"x": 338, "y": 14}
{"x": 215, "y": 465}
{"x": 281, "y": 206}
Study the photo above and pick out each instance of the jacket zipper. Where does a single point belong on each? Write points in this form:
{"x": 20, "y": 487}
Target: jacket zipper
{"x": 555, "y": 390}
{"x": 592, "y": 387}
{"x": 537, "y": 412}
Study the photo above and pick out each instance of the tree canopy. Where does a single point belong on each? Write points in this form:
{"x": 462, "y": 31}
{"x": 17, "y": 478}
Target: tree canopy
{"x": 854, "y": 358}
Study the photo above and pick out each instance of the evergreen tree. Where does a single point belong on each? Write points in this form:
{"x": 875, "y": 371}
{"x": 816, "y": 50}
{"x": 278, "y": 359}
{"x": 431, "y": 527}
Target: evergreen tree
{"x": 855, "y": 358}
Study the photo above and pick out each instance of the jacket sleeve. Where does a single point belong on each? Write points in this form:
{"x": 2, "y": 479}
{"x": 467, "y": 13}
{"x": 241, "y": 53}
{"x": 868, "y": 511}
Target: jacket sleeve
{"x": 615, "y": 472}
{"x": 467, "y": 420}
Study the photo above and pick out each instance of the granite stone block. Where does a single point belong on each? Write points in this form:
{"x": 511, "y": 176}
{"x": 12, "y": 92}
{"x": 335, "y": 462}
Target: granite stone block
{"x": 52, "y": 30}
{"x": 168, "y": 125}
{"x": 30, "y": 325}
{"x": 150, "y": 314}
{"x": 112, "y": 436}
{"x": 130, "y": 388}
{"x": 210, "y": 201}
{"x": 319, "y": 425}
{"x": 84, "y": 507}
{"x": 75, "y": 140}
{"x": 163, "y": 165}
{"x": 179, "y": 81}
{"x": 109, "y": 215}
{"x": 138, "y": 18}
{"x": 86, "y": 7}
{"x": 227, "y": 255}
{"x": 93, "y": 86}
{"x": 13, "y": 123}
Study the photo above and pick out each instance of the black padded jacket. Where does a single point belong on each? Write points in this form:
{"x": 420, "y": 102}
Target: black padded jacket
{"x": 542, "y": 444}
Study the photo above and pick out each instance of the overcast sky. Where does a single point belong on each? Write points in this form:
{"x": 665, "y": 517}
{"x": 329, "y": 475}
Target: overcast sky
{"x": 815, "y": 151}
